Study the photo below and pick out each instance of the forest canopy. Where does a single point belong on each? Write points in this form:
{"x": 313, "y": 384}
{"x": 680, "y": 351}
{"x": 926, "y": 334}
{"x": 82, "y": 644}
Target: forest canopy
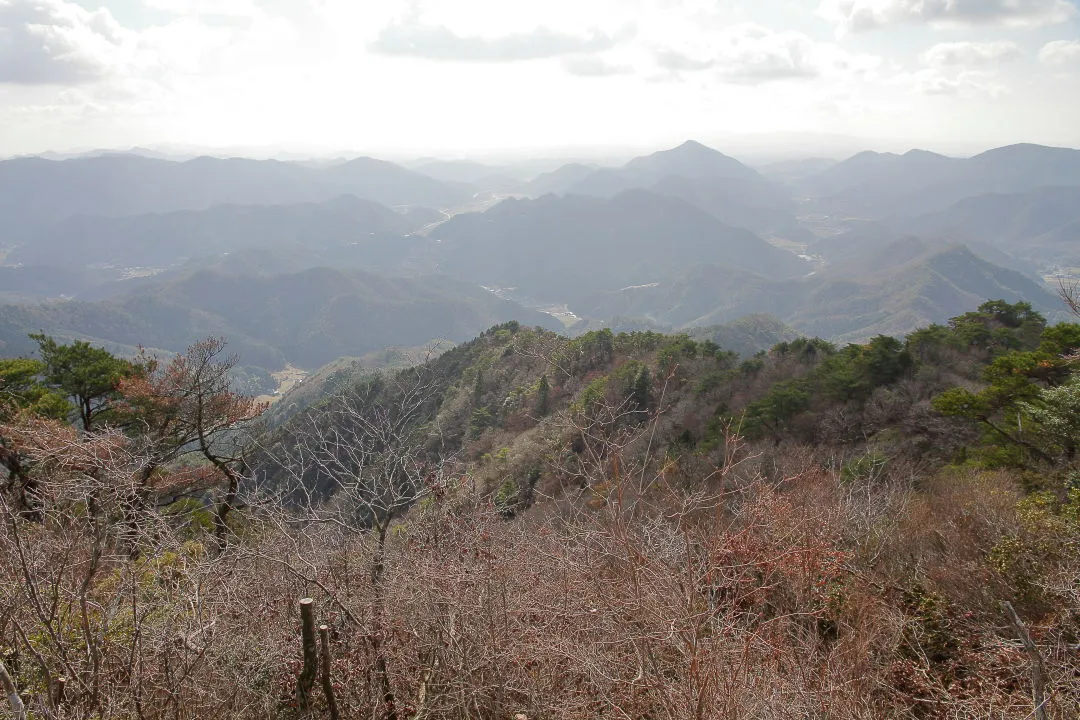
{"x": 616, "y": 525}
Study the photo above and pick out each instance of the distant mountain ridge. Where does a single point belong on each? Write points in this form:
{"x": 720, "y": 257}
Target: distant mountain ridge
{"x": 565, "y": 248}
{"x": 691, "y": 161}
{"x": 307, "y": 318}
{"x": 281, "y": 256}
{"x": 1043, "y": 223}
{"x": 917, "y": 182}
{"x": 164, "y": 239}
{"x": 868, "y": 166}
{"x": 888, "y": 289}
{"x": 560, "y": 180}
{"x": 720, "y": 198}
{"x": 34, "y": 191}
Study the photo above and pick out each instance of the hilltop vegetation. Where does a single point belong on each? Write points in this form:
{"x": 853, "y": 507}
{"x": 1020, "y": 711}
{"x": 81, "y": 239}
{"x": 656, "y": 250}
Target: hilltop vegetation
{"x": 617, "y": 524}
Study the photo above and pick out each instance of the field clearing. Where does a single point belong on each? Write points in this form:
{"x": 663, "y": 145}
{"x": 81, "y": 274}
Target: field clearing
{"x": 562, "y": 313}
{"x": 799, "y": 248}
{"x": 287, "y": 379}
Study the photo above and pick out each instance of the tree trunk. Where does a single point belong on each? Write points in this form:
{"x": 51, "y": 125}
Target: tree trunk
{"x": 16, "y": 703}
{"x": 306, "y": 680}
{"x": 221, "y": 513}
{"x": 1038, "y": 673}
{"x": 327, "y": 685}
{"x": 382, "y": 669}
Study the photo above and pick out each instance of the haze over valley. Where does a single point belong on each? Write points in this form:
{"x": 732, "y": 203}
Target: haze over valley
{"x": 300, "y": 263}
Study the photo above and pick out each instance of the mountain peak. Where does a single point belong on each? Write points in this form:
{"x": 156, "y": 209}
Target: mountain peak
{"x": 693, "y": 150}
{"x": 1022, "y": 147}
{"x": 694, "y": 145}
{"x": 867, "y": 154}
{"x": 917, "y": 153}
{"x": 694, "y": 160}
{"x": 1026, "y": 150}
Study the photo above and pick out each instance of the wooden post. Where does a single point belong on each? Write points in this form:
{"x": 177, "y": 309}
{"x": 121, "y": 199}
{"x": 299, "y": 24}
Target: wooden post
{"x": 61, "y": 684}
{"x": 327, "y": 686}
{"x": 1038, "y": 673}
{"x": 12, "y": 692}
{"x": 306, "y": 680}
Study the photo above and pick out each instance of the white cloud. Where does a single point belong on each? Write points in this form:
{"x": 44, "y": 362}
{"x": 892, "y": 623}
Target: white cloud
{"x": 751, "y": 54}
{"x": 862, "y": 15}
{"x": 1060, "y": 52}
{"x": 220, "y": 8}
{"x": 53, "y": 42}
{"x": 410, "y": 36}
{"x": 676, "y": 61}
{"x": 966, "y": 84}
{"x": 959, "y": 69}
{"x": 593, "y": 66}
{"x": 970, "y": 54}
{"x": 220, "y": 72}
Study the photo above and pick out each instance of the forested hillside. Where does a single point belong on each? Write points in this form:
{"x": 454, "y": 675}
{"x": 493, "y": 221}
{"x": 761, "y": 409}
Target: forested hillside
{"x": 616, "y": 525}
{"x": 308, "y": 318}
{"x": 566, "y": 248}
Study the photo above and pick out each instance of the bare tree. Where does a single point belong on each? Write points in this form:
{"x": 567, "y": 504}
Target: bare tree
{"x": 98, "y": 633}
{"x": 187, "y": 406}
{"x": 52, "y": 571}
{"x": 365, "y": 453}
{"x": 1069, "y": 292}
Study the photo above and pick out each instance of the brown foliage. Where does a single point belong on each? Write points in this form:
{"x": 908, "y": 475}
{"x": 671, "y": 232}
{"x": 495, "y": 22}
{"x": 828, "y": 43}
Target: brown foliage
{"x": 654, "y": 583}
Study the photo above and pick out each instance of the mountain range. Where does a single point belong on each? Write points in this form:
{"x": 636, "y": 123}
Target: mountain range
{"x": 691, "y": 161}
{"x": 1041, "y": 224}
{"x": 907, "y": 283}
{"x": 34, "y": 191}
{"x": 918, "y": 182}
{"x": 166, "y": 239}
{"x": 562, "y": 249}
{"x": 301, "y": 261}
{"x": 306, "y": 318}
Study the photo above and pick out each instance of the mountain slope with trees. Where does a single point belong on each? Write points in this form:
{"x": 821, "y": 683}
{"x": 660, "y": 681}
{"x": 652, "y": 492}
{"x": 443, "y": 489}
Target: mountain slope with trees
{"x": 616, "y": 524}
{"x": 886, "y": 289}
{"x": 307, "y": 318}
{"x": 1041, "y": 225}
{"x": 560, "y": 249}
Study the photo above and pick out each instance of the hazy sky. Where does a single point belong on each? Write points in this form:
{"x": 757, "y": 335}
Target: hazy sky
{"x": 465, "y": 76}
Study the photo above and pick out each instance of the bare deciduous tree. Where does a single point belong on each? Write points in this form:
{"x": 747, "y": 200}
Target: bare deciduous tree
{"x": 1069, "y": 292}
{"x": 365, "y": 454}
{"x": 188, "y": 406}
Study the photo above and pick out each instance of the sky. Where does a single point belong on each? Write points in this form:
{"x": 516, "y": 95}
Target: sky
{"x": 468, "y": 78}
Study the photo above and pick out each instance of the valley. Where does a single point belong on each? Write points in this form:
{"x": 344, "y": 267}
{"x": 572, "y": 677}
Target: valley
{"x": 286, "y": 379}
{"x": 679, "y": 239}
